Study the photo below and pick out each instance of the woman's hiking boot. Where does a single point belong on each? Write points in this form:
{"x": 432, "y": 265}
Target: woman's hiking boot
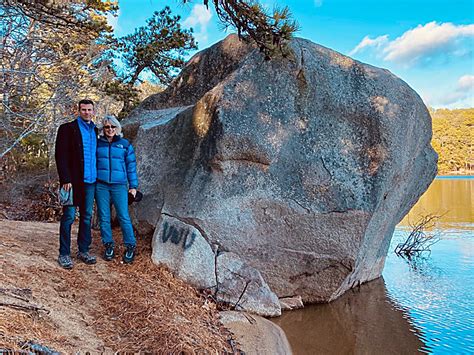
{"x": 109, "y": 251}
{"x": 129, "y": 254}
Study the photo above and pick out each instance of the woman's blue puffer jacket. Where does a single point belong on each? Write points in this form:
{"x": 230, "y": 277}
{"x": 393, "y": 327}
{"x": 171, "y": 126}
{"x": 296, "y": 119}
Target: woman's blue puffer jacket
{"x": 116, "y": 163}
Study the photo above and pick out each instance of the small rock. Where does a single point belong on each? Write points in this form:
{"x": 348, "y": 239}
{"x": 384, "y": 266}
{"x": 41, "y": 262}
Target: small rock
{"x": 256, "y": 335}
{"x": 289, "y": 303}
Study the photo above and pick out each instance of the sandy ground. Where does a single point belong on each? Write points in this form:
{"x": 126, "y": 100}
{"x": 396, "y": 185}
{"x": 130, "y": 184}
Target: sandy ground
{"x": 106, "y": 307}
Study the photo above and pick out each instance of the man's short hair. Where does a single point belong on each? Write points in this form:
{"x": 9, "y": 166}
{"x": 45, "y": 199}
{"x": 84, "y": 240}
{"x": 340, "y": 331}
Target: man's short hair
{"x": 85, "y": 102}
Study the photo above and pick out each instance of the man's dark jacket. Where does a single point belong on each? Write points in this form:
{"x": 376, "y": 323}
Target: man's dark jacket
{"x": 70, "y": 159}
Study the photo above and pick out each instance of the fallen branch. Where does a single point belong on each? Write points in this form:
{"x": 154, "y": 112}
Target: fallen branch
{"x": 242, "y": 294}
{"x": 19, "y": 293}
{"x": 23, "y": 308}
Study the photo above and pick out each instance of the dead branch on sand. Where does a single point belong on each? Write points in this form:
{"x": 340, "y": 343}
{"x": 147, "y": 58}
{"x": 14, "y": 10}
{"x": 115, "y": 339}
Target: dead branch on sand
{"x": 22, "y": 307}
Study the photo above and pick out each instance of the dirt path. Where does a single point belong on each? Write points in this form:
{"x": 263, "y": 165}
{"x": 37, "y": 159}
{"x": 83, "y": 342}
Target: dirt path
{"x": 105, "y": 307}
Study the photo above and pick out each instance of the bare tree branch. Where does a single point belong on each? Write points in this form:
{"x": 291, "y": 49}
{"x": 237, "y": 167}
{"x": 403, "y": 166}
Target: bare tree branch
{"x": 419, "y": 241}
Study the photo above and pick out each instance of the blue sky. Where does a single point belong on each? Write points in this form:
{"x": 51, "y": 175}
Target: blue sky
{"x": 427, "y": 43}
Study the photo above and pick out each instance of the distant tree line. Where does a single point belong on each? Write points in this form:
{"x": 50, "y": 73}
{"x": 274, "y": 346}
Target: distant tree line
{"x": 453, "y": 140}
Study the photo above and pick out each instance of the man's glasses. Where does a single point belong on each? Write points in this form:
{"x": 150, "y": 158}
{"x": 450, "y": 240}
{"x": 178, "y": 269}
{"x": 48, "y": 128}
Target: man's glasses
{"x": 109, "y": 127}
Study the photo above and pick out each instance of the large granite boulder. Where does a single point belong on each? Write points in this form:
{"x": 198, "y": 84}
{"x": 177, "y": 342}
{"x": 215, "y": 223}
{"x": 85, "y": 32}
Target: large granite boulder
{"x": 299, "y": 166}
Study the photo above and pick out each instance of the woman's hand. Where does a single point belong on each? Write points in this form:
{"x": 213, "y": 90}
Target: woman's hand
{"x": 132, "y": 191}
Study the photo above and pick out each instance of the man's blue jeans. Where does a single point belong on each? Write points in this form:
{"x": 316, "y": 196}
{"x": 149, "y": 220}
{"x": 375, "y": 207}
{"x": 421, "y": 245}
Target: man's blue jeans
{"x": 118, "y": 195}
{"x": 84, "y": 237}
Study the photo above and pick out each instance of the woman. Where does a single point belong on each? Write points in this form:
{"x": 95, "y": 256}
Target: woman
{"x": 116, "y": 178}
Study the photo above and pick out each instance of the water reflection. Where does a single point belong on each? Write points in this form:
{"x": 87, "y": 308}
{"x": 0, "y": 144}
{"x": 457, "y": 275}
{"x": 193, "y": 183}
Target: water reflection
{"x": 363, "y": 321}
{"x": 438, "y": 291}
{"x": 452, "y": 198}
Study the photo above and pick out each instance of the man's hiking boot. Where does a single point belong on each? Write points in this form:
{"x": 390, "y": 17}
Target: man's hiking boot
{"x": 65, "y": 261}
{"x": 109, "y": 251}
{"x": 86, "y": 258}
{"x": 129, "y": 254}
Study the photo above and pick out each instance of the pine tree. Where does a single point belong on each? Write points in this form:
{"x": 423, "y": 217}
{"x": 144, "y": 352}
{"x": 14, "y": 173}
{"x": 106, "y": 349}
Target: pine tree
{"x": 157, "y": 49}
{"x": 269, "y": 31}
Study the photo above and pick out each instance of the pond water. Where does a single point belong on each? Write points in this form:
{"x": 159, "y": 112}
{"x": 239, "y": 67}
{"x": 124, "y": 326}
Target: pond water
{"x": 426, "y": 305}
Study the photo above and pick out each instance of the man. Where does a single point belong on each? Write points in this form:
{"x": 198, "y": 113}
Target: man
{"x": 76, "y": 145}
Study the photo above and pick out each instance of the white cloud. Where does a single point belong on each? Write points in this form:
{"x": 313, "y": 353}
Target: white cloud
{"x": 199, "y": 19}
{"x": 422, "y": 43}
{"x": 368, "y": 42}
{"x": 465, "y": 82}
{"x": 455, "y": 100}
{"x": 318, "y": 3}
{"x": 426, "y": 40}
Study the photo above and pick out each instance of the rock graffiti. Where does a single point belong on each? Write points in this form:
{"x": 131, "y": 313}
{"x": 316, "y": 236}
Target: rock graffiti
{"x": 178, "y": 235}
{"x": 182, "y": 247}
